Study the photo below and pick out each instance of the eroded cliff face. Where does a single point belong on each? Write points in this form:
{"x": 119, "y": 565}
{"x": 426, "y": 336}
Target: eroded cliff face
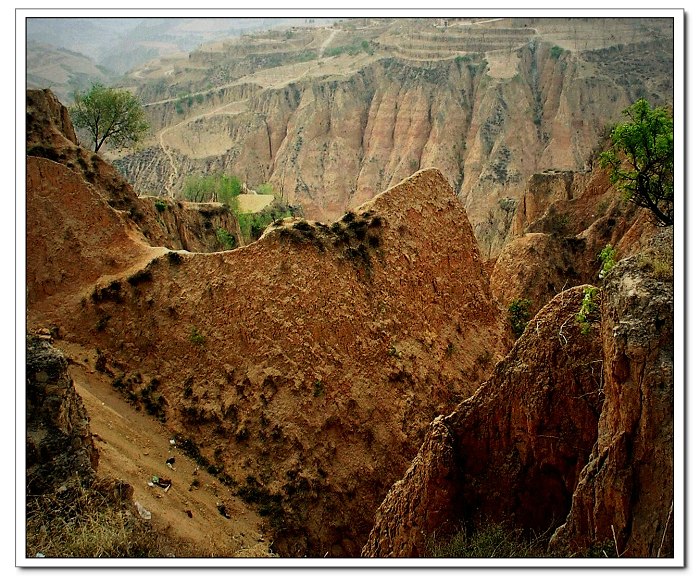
{"x": 510, "y": 453}
{"x": 585, "y": 441}
{"x": 625, "y": 492}
{"x": 329, "y": 134}
{"x": 305, "y": 367}
{"x": 68, "y": 179}
{"x": 561, "y": 224}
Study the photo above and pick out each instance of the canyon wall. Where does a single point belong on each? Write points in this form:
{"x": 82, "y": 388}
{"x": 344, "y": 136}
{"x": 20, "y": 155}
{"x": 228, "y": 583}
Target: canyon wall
{"x": 574, "y": 429}
{"x": 329, "y": 139}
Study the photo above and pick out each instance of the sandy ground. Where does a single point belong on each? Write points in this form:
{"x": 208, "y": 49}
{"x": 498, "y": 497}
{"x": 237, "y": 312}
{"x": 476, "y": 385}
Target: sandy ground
{"x": 252, "y": 203}
{"x": 134, "y": 447}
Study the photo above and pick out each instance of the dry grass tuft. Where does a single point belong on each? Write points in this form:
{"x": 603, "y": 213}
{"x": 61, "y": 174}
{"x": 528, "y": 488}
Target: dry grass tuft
{"x": 491, "y": 541}
{"x": 80, "y": 522}
{"x": 88, "y": 522}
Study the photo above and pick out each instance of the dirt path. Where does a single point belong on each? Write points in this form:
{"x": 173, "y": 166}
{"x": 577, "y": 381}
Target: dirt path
{"x": 134, "y": 447}
{"x": 325, "y": 43}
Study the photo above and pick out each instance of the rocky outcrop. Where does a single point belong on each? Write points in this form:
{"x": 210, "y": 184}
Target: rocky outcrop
{"x": 542, "y": 191}
{"x": 625, "y": 492}
{"x": 560, "y": 226}
{"x": 537, "y": 267}
{"x": 59, "y": 442}
{"x": 512, "y": 452}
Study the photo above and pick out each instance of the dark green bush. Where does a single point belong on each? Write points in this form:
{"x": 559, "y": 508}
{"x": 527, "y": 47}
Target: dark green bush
{"x": 519, "y": 315}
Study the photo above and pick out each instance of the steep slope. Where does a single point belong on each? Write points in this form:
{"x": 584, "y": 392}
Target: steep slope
{"x": 81, "y": 175}
{"x": 572, "y": 429}
{"x": 625, "y": 492}
{"x": 74, "y": 421}
{"x": 510, "y": 453}
{"x": 488, "y": 104}
{"x": 304, "y": 368}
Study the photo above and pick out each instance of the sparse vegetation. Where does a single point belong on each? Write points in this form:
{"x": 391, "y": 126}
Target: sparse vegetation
{"x": 607, "y": 257}
{"x": 84, "y": 522}
{"x": 555, "y": 52}
{"x": 174, "y": 258}
{"x": 226, "y": 238}
{"x": 196, "y": 338}
{"x": 519, "y": 315}
{"x": 355, "y": 49}
{"x": 139, "y": 277}
{"x": 660, "y": 267}
{"x": 102, "y": 322}
{"x": 254, "y": 224}
{"x": 394, "y": 352}
{"x": 153, "y": 402}
{"x": 589, "y": 309}
{"x": 493, "y": 541}
{"x": 160, "y": 205}
{"x": 507, "y": 204}
{"x": 641, "y": 159}
{"x": 220, "y": 187}
{"x": 265, "y": 189}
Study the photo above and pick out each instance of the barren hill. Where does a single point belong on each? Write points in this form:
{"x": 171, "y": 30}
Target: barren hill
{"x": 331, "y": 116}
{"x": 303, "y": 368}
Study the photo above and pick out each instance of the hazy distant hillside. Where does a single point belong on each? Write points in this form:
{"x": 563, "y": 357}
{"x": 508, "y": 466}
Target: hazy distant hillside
{"x": 123, "y": 43}
{"x": 61, "y": 70}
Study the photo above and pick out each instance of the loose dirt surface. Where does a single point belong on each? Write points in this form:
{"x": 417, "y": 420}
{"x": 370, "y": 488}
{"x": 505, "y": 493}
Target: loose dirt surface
{"x": 134, "y": 447}
{"x": 252, "y": 203}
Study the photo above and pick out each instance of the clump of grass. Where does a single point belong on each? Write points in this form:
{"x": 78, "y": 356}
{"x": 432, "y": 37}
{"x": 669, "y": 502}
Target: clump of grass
{"x": 492, "y": 541}
{"x": 196, "y": 338}
{"x": 226, "y": 238}
{"x": 660, "y": 267}
{"x": 91, "y": 522}
{"x": 82, "y": 522}
{"x": 112, "y": 292}
{"x": 519, "y": 315}
{"x": 174, "y": 258}
{"x": 589, "y": 311}
{"x": 140, "y": 277}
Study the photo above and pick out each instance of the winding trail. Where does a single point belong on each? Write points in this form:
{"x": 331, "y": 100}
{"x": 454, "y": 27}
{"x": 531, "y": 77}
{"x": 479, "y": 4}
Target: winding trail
{"x": 325, "y": 43}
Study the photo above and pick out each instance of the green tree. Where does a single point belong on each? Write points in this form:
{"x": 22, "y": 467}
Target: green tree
{"x": 641, "y": 159}
{"x": 223, "y": 188}
{"x": 109, "y": 115}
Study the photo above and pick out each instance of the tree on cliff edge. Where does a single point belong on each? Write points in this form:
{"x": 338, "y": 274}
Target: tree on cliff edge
{"x": 113, "y": 115}
{"x": 641, "y": 159}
